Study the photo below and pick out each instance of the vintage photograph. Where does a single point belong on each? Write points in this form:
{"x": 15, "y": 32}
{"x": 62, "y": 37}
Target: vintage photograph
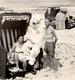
{"x": 37, "y": 39}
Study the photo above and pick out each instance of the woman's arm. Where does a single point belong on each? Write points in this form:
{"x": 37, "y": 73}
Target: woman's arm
{"x": 13, "y": 48}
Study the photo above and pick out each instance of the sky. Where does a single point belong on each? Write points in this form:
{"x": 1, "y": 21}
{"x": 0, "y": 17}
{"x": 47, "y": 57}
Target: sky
{"x": 22, "y": 4}
{"x": 17, "y": 5}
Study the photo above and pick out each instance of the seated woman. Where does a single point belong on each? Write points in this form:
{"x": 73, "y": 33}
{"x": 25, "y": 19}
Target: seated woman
{"x": 17, "y": 53}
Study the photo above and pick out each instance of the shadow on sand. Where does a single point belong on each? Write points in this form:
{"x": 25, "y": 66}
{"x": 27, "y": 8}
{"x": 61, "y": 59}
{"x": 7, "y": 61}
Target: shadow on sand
{"x": 53, "y": 64}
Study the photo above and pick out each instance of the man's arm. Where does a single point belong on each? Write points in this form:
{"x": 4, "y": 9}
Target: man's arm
{"x": 54, "y": 34}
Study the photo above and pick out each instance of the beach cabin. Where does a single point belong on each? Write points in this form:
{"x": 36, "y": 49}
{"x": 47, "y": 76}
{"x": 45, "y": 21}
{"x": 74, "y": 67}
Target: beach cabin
{"x": 11, "y": 26}
{"x": 51, "y": 14}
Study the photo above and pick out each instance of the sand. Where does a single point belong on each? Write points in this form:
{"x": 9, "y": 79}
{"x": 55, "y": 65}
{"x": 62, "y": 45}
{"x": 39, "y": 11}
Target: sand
{"x": 65, "y": 52}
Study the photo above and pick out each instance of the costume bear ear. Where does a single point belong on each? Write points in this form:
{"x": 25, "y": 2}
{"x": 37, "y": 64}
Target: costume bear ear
{"x": 37, "y": 21}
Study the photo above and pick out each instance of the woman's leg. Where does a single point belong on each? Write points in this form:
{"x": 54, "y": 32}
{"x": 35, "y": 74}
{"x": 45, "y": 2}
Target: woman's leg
{"x": 22, "y": 58}
{"x": 16, "y": 60}
{"x": 24, "y": 64}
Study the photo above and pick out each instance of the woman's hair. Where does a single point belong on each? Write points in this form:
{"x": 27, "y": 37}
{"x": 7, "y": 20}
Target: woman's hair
{"x": 18, "y": 37}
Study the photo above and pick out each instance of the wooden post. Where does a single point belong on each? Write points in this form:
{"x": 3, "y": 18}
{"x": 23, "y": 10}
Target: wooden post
{"x": 2, "y": 63}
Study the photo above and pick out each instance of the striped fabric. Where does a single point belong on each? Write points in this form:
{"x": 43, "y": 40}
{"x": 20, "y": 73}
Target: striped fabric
{"x": 11, "y": 29}
{"x": 8, "y": 37}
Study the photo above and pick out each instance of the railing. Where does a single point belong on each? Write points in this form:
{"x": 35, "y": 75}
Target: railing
{"x": 8, "y": 37}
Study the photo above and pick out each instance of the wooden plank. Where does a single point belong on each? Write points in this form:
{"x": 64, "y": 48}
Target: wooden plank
{"x": 15, "y": 31}
{"x": 4, "y": 39}
{"x": 8, "y": 39}
{"x": 12, "y": 36}
{"x": 2, "y": 63}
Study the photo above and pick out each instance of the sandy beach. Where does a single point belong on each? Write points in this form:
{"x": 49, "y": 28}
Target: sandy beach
{"x": 65, "y": 52}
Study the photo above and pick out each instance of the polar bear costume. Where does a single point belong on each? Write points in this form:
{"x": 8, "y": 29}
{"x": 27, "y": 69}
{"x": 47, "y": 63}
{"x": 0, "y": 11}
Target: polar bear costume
{"x": 34, "y": 38}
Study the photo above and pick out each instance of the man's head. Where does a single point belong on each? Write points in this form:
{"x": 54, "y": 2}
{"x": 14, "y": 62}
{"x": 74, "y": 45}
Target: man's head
{"x": 47, "y": 22}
